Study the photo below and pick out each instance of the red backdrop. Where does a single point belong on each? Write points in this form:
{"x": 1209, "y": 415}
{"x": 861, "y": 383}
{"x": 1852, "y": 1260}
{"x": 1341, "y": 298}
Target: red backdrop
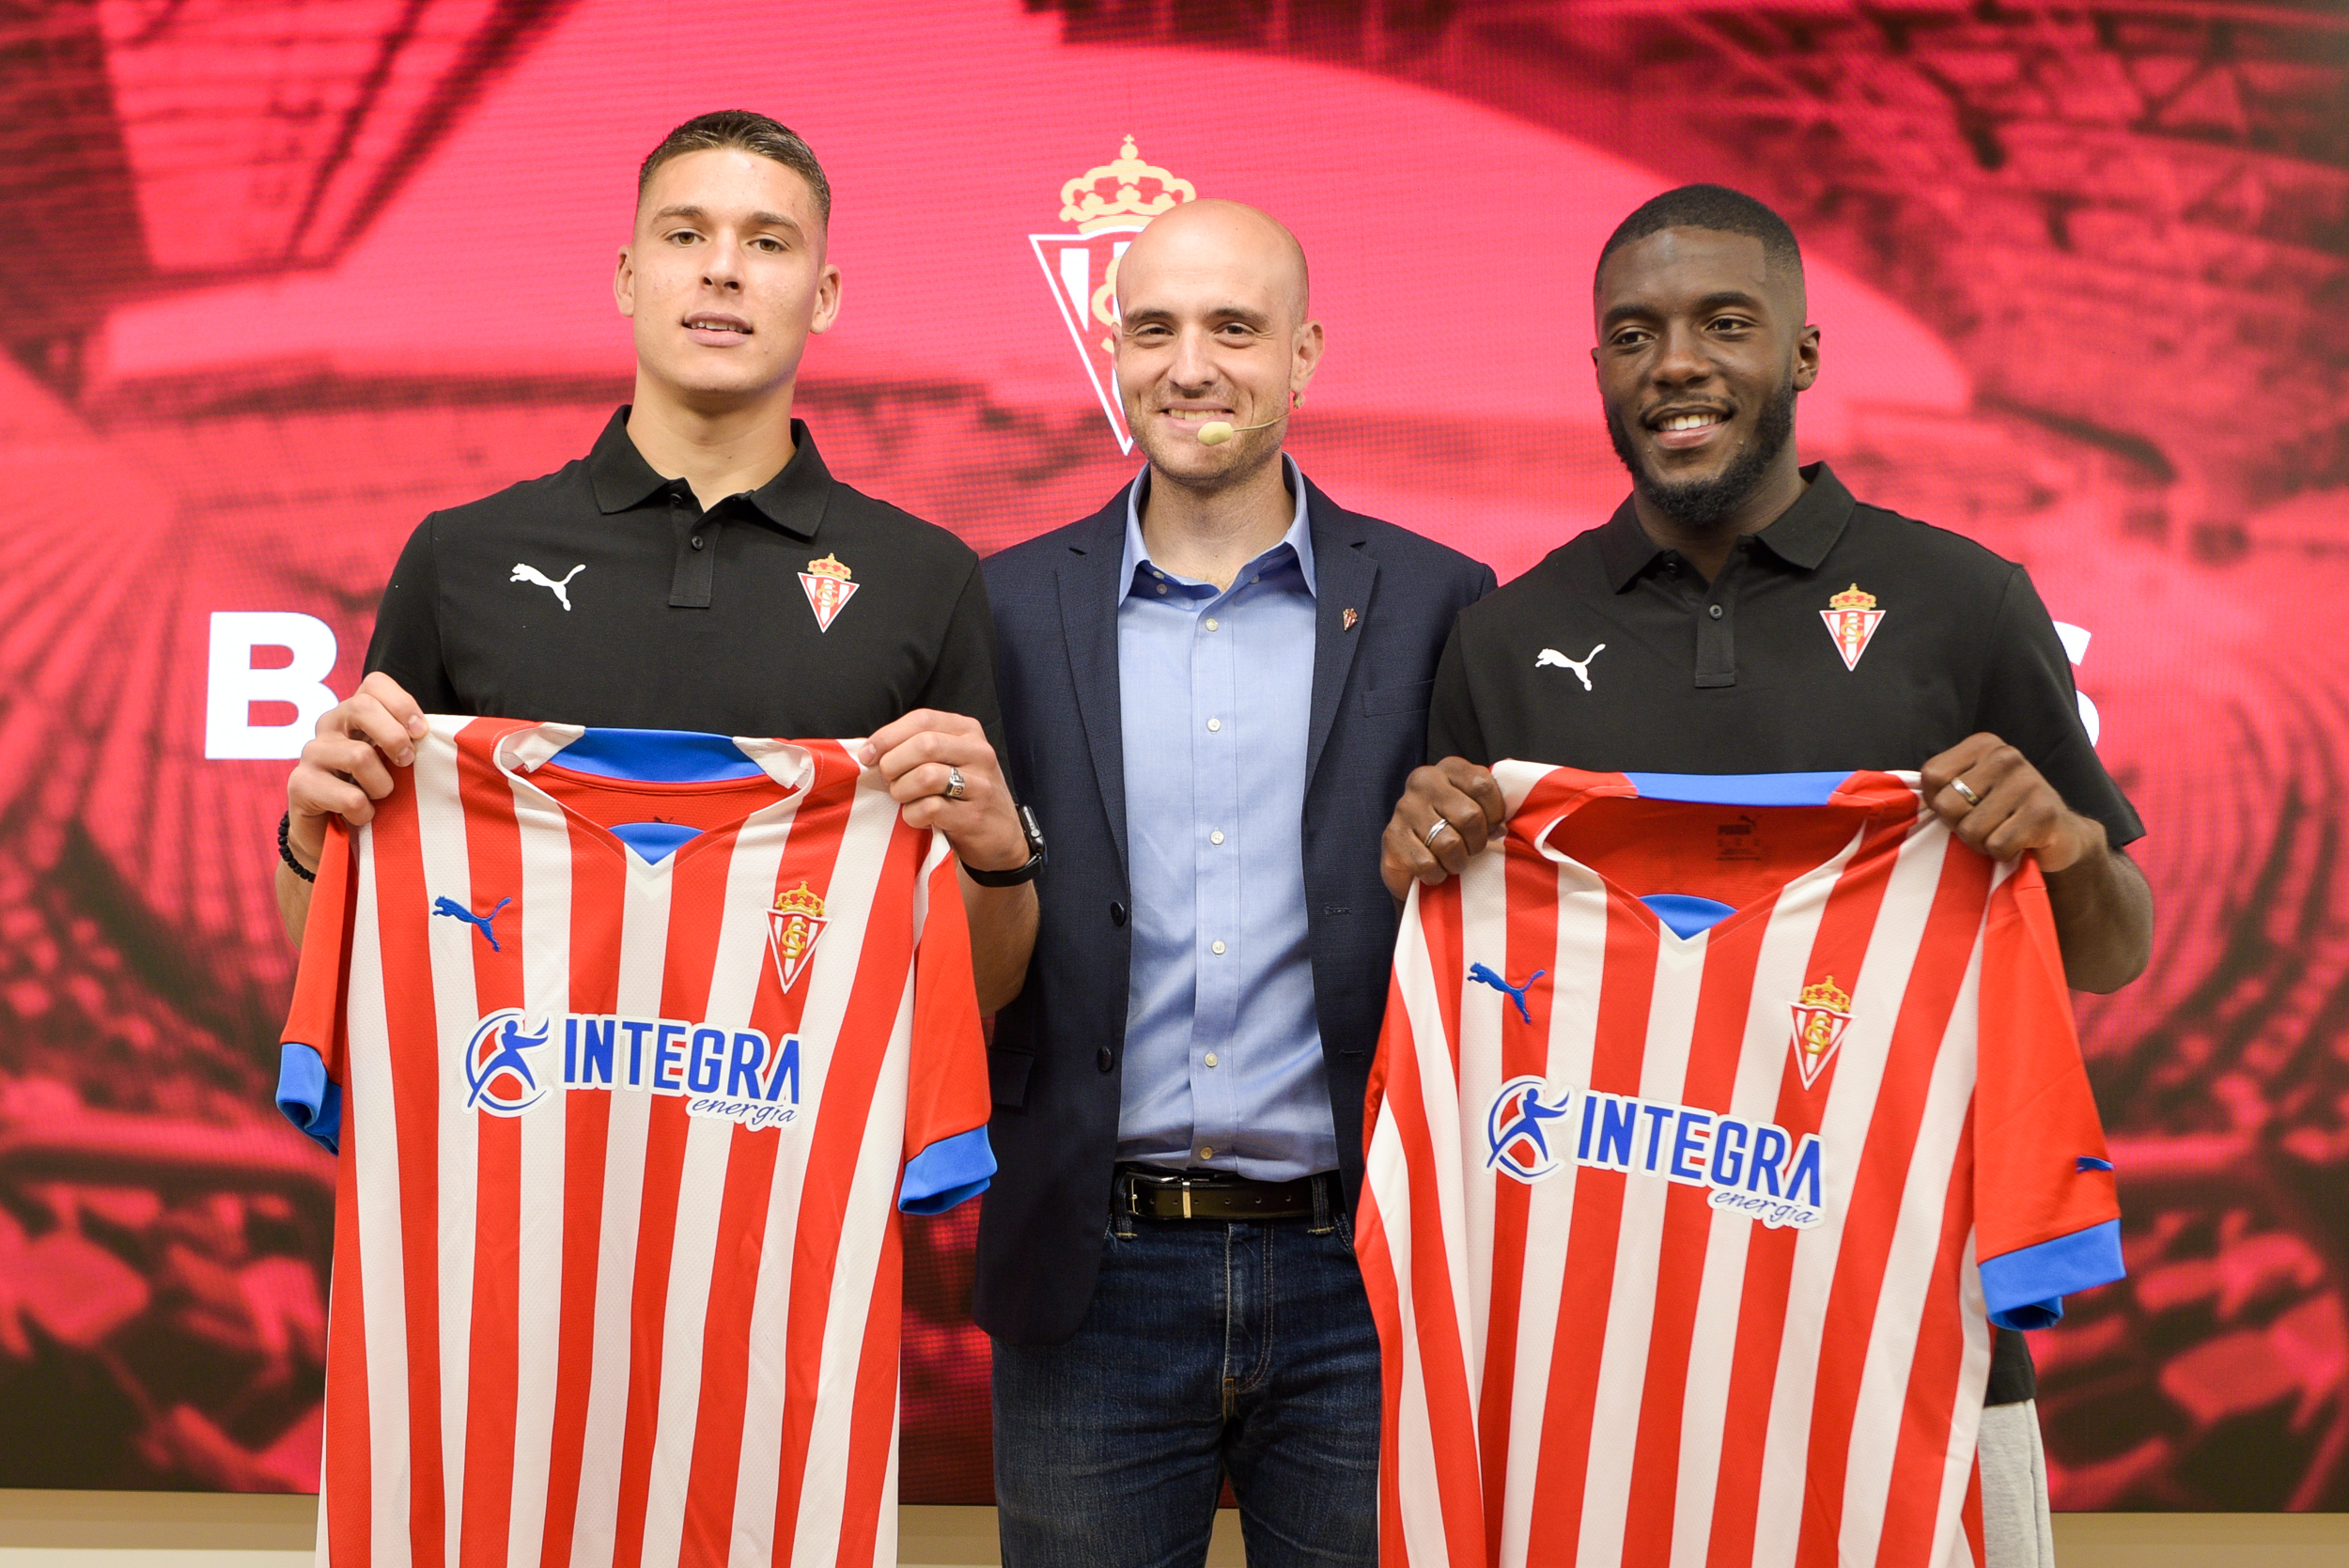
{"x": 290, "y": 278}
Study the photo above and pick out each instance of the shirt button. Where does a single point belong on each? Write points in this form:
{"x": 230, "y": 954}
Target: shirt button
{"x": 1211, "y": 622}
{"x": 697, "y": 541}
{"x": 1206, "y": 1151}
{"x": 1103, "y": 1060}
{"x": 1216, "y": 948}
{"x": 1216, "y": 837}
{"x": 1713, "y": 611}
{"x": 1162, "y": 587}
{"x": 1215, "y": 724}
{"x": 1211, "y": 1059}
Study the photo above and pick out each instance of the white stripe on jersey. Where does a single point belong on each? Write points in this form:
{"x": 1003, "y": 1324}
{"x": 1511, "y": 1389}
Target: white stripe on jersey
{"x": 546, "y": 900}
{"x": 372, "y": 1128}
{"x": 1549, "y": 1204}
{"x": 702, "y": 1190}
{"x": 440, "y": 821}
{"x": 1778, "y": 973}
{"x": 643, "y": 946}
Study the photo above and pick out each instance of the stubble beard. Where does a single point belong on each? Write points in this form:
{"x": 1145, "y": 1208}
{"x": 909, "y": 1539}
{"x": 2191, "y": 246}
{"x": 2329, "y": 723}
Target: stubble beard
{"x": 1707, "y": 503}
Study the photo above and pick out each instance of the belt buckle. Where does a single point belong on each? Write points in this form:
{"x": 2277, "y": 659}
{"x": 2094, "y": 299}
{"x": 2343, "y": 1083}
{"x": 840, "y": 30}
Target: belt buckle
{"x": 1179, "y": 1181}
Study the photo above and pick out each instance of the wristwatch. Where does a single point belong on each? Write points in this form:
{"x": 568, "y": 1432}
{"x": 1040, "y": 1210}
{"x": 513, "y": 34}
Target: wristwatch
{"x": 1018, "y": 874}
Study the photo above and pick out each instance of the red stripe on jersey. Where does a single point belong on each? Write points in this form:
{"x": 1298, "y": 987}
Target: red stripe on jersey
{"x": 1626, "y": 986}
{"x": 599, "y": 882}
{"x": 1524, "y": 1049}
{"x": 1844, "y": 926}
{"x": 408, "y": 1013}
{"x": 1912, "y": 1515}
{"x": 1724, "y": 997}
{"x": 696, "y": 909}
{"x": 1386, "y": 1316}
{"x": 494, "y": 866}
{"x": 873, "y": 1424}
{"x": 1919, "y": 1034}
{"x": 1441, "y": 1337}
{"x": 835, "y": 1144}
{"x": 346, "y": 1470}
{"x": 810, "y": 857}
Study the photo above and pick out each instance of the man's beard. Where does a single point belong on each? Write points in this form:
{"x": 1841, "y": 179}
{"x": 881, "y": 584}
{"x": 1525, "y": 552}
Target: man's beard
{"x": 1705, "y": 503}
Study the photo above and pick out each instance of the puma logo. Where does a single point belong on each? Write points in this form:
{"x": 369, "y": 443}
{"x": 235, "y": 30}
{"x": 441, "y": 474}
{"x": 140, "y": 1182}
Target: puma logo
{"x": 1500, "y": 983}
{"x": 560, "y": 590}
{"x": 455, "y": 910}
{"x": 1551, "y": 658}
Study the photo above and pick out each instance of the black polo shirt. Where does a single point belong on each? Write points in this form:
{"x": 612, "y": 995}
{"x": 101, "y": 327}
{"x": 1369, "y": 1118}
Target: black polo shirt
{"x": 1744, "y": 675}
{"x": 604, "y": 595}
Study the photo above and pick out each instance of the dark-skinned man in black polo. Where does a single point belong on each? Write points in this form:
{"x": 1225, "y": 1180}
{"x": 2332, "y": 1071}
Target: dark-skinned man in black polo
{"x": 1686, "y": 635}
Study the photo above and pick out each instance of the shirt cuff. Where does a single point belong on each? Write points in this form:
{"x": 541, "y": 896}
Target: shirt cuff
{"x": 947, "y": 1172}
{"x": 2025, "y": 1288}
{"x": 309, "y": 1099}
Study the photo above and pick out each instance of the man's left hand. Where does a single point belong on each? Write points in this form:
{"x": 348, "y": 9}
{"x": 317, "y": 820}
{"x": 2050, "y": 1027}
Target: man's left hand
{"x": 921, "y": 754}
{"x": 2102, "y": 908}
{"x": 2013, "y": 807}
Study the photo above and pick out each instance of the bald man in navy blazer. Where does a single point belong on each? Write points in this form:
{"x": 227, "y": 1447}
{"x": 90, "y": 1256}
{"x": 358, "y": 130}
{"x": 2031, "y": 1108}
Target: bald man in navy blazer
{"x": 1213, "y": 690}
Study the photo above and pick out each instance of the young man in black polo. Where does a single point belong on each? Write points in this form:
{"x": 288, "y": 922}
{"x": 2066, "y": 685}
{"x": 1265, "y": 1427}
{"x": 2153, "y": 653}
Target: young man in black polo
{"x": 700, "y": 568}
{"x": 1685, "y": 636}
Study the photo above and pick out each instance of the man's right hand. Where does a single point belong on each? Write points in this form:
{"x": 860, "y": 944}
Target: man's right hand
{"x": 343, "y": 773}
{"x": 1456, "y": 792}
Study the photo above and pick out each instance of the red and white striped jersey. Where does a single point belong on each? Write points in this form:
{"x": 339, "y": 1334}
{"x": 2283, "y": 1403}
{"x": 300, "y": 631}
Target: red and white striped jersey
{"x": 1713, "y": 1122}
{"x": 633, "y": 1044}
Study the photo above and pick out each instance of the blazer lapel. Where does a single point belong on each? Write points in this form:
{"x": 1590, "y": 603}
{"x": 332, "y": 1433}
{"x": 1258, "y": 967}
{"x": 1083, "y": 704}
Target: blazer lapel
{"x": 1088, "y": 607}
{"x": 1344, "y": 575}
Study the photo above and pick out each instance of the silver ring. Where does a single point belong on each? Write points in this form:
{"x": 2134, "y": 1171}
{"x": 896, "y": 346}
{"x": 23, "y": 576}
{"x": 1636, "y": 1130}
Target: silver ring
{"x": 1440, "y": 826}
{"x": 955, "y": 788}
{"x": 1971, "y": 798}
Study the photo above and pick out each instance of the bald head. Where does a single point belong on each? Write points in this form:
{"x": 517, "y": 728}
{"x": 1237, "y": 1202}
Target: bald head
{"x": 1212, "y": 330}
{"x": 1226, "y": 239}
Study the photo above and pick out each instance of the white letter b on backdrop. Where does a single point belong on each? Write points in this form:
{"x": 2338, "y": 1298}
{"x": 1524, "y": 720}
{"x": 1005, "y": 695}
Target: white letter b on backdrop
{"x": 232, "y": 685}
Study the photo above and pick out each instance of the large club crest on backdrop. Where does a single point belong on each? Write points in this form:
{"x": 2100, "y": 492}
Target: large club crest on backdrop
{"x": 1108, "y": 203}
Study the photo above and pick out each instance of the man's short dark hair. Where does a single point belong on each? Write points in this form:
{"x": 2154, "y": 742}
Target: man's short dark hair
{"x": 747, "y": 131}
{"x": 1717, "y": 208}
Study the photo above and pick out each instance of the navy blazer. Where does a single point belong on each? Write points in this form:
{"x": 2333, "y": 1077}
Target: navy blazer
{"x": 1058, "y": 1049}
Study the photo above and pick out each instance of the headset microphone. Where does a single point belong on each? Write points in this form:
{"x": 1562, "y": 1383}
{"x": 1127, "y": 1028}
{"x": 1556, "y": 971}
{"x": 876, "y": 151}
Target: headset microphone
{"x": 1215, "y": 432}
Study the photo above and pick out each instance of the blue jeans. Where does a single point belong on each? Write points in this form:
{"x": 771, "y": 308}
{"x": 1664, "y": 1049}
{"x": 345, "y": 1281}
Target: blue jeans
{"x": 1210, "y": 1348}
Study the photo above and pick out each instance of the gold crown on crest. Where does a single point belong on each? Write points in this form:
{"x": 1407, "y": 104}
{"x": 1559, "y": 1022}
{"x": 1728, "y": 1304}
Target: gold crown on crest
{"x": 832, "y": 567}
{"x": 1123, "y": 194}
{"x": 800, "y": 901}
{"x": 1851, "y": 599}
{"x": 1827, "y": 994}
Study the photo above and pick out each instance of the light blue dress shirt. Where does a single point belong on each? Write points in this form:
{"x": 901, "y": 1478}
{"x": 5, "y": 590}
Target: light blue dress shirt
{"x": 1223, "y": 1062}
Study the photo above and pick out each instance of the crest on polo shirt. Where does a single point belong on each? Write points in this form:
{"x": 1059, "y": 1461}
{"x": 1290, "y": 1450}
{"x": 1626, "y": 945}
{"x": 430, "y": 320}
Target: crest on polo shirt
{"x": 830, "y": 587}
{"x": 1108, "y": 203}
{"x": 793, "y": 927}
{"x": 1820, "y": 1019}
{"x": 1852, "y": 618}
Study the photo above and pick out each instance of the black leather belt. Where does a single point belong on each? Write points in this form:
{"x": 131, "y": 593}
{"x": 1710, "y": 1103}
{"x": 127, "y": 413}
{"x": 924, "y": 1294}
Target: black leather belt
{"x": 1161, "y": 1194}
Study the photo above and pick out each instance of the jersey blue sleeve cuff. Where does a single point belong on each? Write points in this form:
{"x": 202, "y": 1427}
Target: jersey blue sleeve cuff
{"x": 310, "y": 1100}
{"x": 946, "y": 1172}
{"x": 2025, "y": 1288}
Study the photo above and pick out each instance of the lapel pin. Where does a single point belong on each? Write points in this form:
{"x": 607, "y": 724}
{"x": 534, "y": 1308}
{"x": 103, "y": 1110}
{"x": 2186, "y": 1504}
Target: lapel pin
{"x": 1346, "y": 620}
